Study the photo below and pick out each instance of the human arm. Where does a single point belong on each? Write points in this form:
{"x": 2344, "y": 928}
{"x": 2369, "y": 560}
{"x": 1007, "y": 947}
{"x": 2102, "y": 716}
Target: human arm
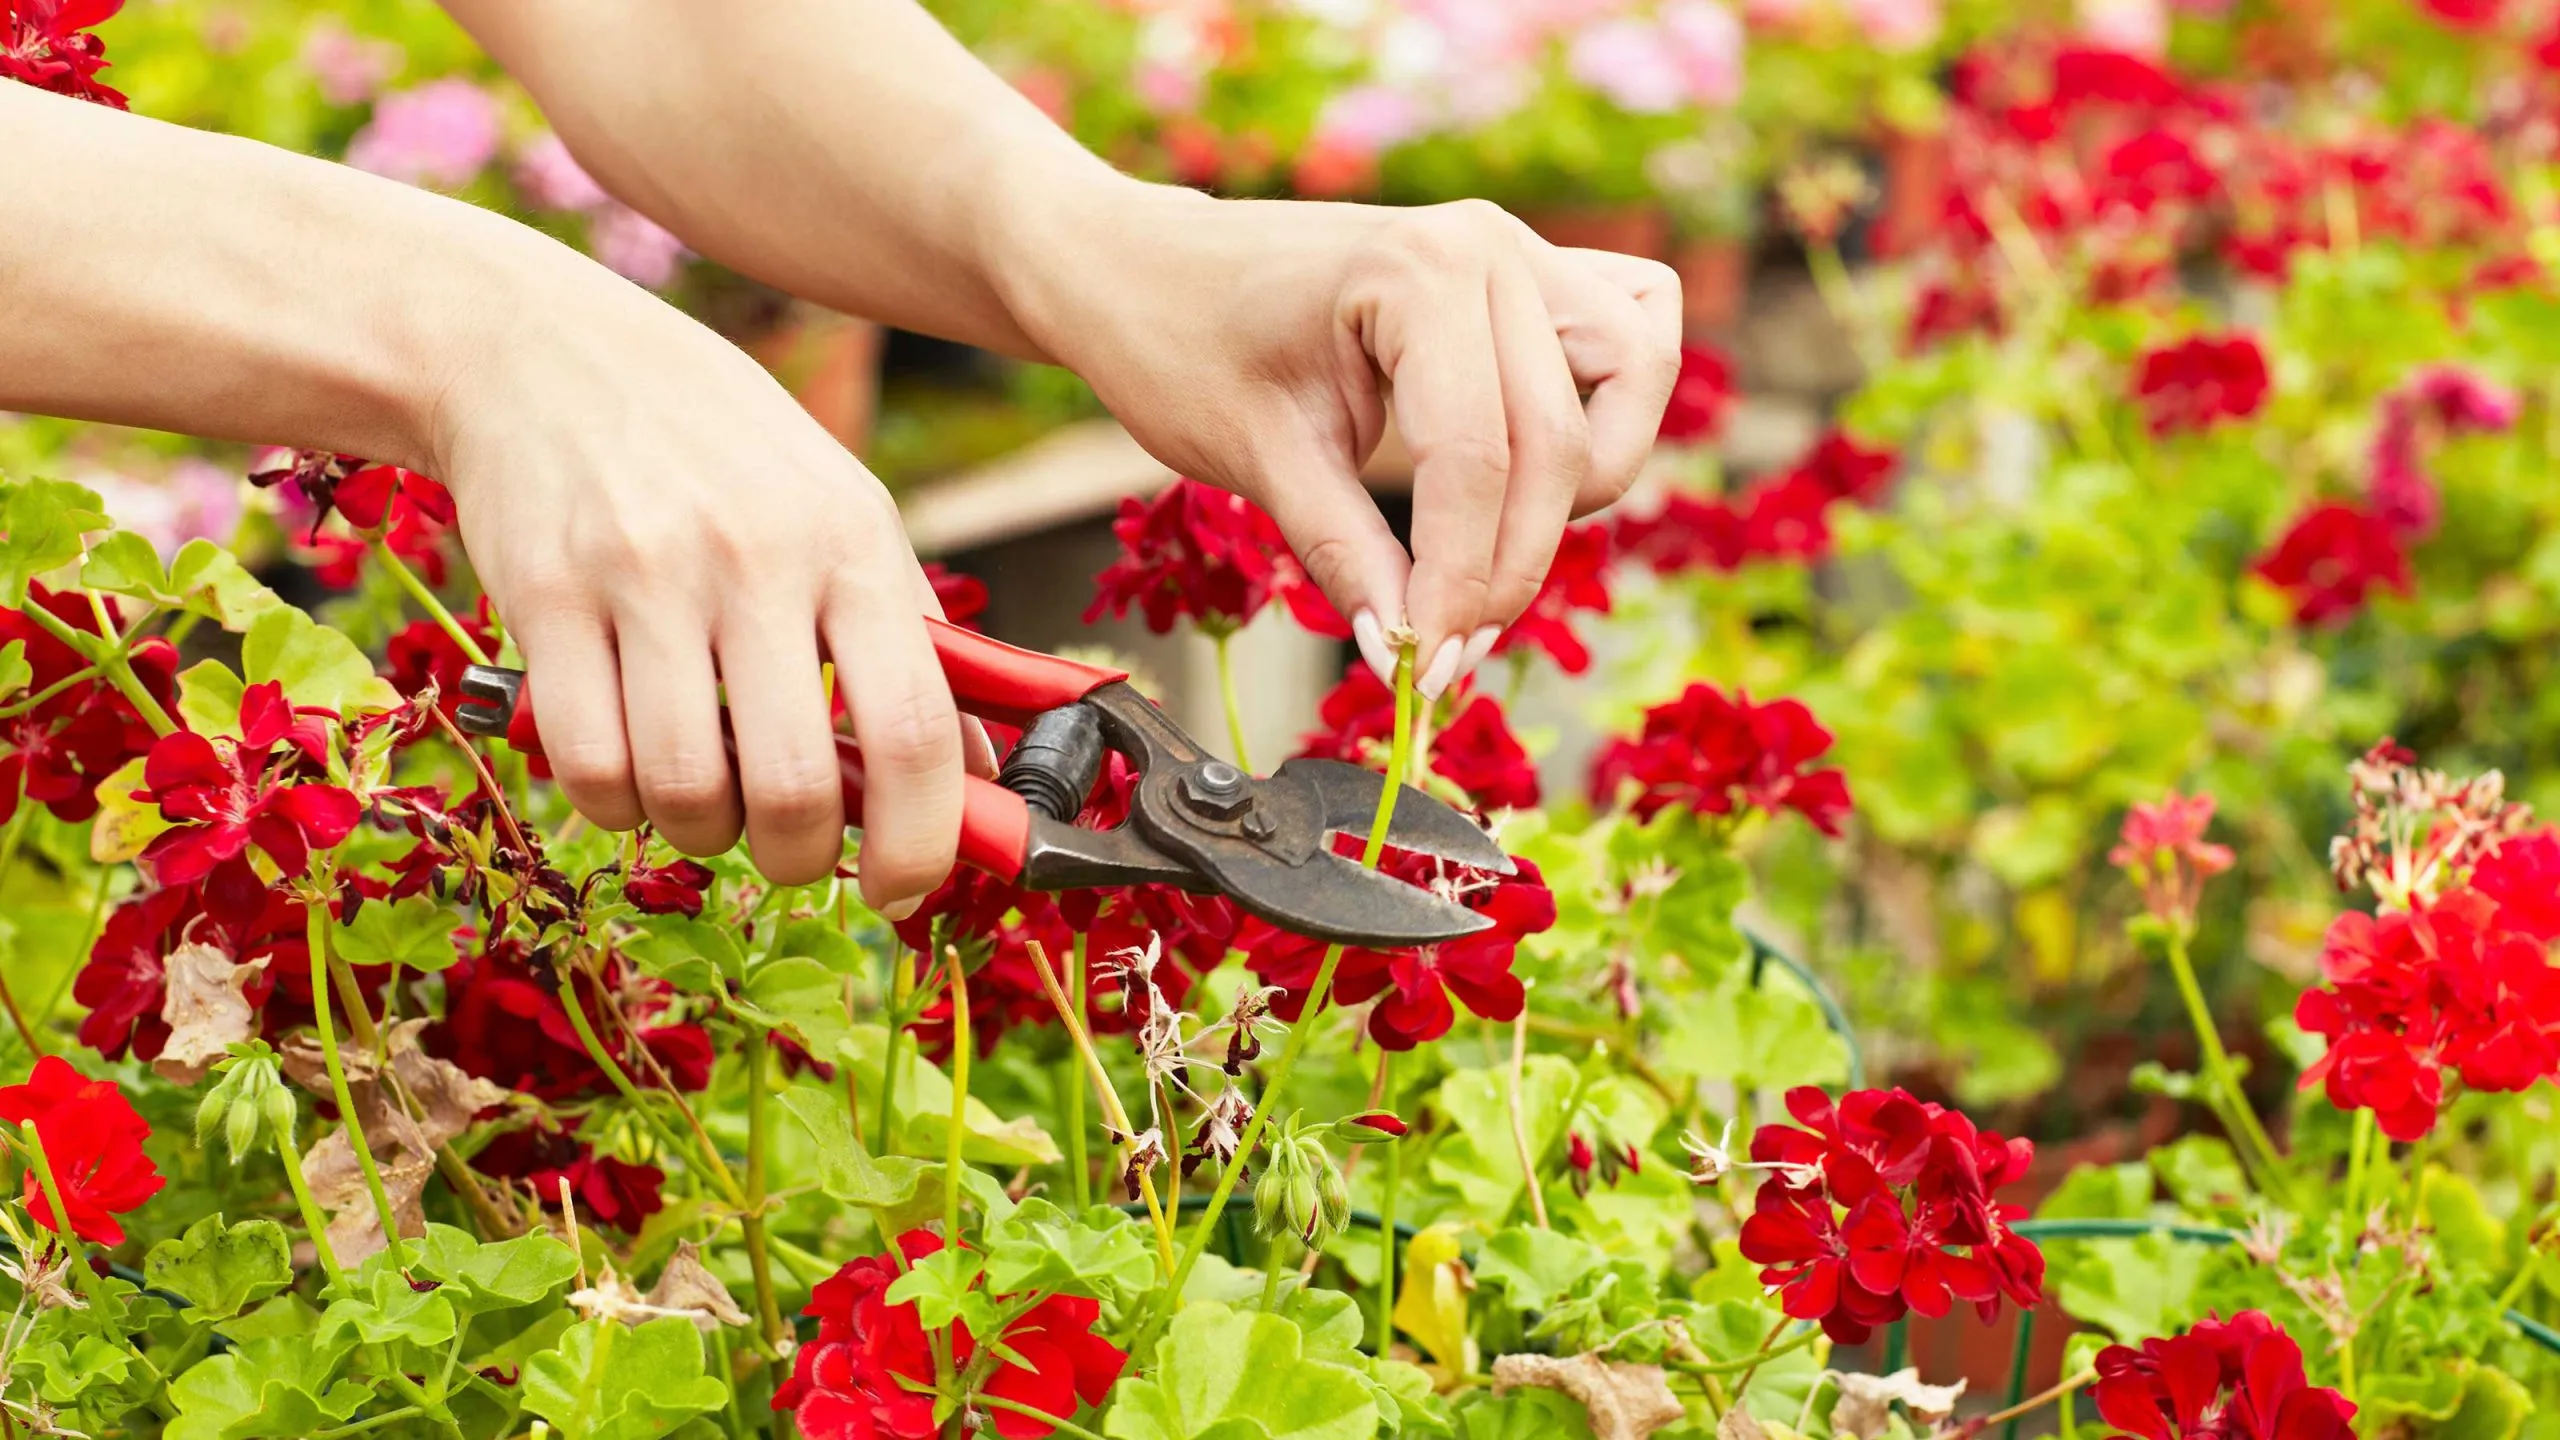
{"x": 643, "y": 503}
{"x": 851, "y": 152}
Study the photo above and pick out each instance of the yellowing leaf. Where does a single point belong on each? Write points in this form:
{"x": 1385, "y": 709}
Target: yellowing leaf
{"x": 124, "y": 825}
{"x": 1431, "y": 1303}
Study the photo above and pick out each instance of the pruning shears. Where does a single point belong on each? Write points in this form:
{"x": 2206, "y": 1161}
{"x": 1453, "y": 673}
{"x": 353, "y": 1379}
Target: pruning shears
{"x": 1195, "y": 821}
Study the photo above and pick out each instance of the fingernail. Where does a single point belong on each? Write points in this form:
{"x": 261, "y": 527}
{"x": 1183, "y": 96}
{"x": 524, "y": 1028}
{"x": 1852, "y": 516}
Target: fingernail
{"x": 897, "y": 911}
{"x": 1371, "y": 637}
{"x": 1479, "y": 645}
{"x": 1443, "y": 669}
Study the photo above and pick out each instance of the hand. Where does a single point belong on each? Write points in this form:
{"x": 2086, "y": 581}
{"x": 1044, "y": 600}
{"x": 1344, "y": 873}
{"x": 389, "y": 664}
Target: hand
{"x": 1260, "y": 346}
{"x": 655, "y": 518}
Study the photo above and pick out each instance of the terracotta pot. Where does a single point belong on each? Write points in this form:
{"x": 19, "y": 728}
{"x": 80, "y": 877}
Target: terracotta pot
{"x": 1633, "y": 229}
{"x": 831, "y": 365}
{"x": 1714, "y": 273}
{"x": 1915, "y": 190}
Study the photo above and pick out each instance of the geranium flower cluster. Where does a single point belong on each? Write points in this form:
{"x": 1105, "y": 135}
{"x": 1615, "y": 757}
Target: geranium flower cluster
{"x": 2235, "y": 1379}
{"x": 47, "y": 44}
{"x": 1716, "y": 754}
{"x": 869, "y": 1374}
{"x": 72, "y": 732}
{"x": 2201, "y": 380}
{"x": 92, "y": 1145}
{"x": 1783, "y": 518}
{"x": 1196, "y": 552}
{"x": 411, "y": 513}
{"x": 1880, "y": 1205}
{"x": 1417, "y": 990}
{"x": 2163, "y": 847}
{"x": 2453, "y": 973}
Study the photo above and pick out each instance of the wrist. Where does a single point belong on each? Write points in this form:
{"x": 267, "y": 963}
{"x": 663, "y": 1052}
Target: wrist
{"x": 1057, "y": 241}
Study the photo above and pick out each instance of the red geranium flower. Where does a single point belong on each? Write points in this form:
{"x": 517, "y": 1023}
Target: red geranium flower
{"x": 1689, "y": 532}
{"x": 2466, "y": 14}
{"x": 1414, "y": 987}
{"x": 1475, "y": 751}
{"x": 1847, "y": 470}
{"x": 93, "y": 1144}
{"x": 2331, "y": 558}
{"x": 857, "y": 1379}
{"x": 1716, "y": 754}
{"x": 2235, "y": 1379}
{"x": 56, "y": 753}
{"x": 1699, "y": 398}
{"x": 124, "y": 983}
{"x": 1578, "y": 579}
{"x": 2522, "y": 877}
{"x": 963, "y": 597}
{"x": 421, "y": 653}
{"x": 2192, "y": 384}
{"x": 607, "y": 1190}
{"x": 504, "y": 1022}
{"x": 1882, "y": 1204}
{"x": 2413, "y": 993}
{"x": 676, "y": 888}
{"x": 45, "y": 43}
{"x": 1200, "y": 553}
{"x": 2163, "y": 845}
{"x": 228, "y": 795}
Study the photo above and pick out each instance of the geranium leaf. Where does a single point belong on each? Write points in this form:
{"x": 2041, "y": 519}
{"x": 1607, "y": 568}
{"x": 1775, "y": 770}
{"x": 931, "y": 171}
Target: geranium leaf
{"x": 125, "y": 564}
{"x": 647, "y": 1382}
{"x": 798, "y": 994}
{"x": 1243, "y": 1373}
{"x": 824, "y": 943}
{"x": 124, "y": 825}
{"x": 15, "y": 673}
{"x": 848, "y": 1171}
{"x": 1041, "y": 1247}
{"x": 221, "y": 1270}
{"x": 280, "y": 1388}
{"x": 943, "y": 1288}
{"x": 1536, "y": 1267}
{"x": 210, "y": 581}
{"x": 414, "y": 932}
{"x": 41, "y": 522}
{"x": 315, "y": 665}
{"x": 925, "y": 1107}
{"x": 497, "y": 1276}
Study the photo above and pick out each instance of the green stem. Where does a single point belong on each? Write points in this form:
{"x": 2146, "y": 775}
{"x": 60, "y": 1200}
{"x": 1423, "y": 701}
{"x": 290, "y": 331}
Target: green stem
{"x": 2508, "y": 1297}
{"x": 9, "y": 842}
{"x": 1227, "y": 694}
{"x": 759, "y": 1260}
{"x": 1757, "y": 1358}
{"x": 1064, "y": 1425}
{"x": 316, "y": 936}
{"x": 107, "y": 655}
{"x": 901, "y": 981}
{"x": 962, "y": 1042}
{"x": 53, "y": 1193}
{"x": 1272, "y": 1265}
{"x": 1387, "y": 1213}
{"x": 576, "y": 1428}
{"x": 312, "y": 1222}
{"x": 390, "y": 1417}
{"x": 2219, "y": 1076}
{"x": 2359, "y": 1143}
{"x": 621, "y": 1081}
{"x": 1319, "y": 997}
{"x": 428, "y": 602}
{"x": 1082, "y": 1174}
{"x": 80, "y": 676}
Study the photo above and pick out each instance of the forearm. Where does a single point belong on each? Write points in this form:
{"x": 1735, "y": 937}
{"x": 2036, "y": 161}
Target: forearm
{"x": 163, "y": 277}
{"x": 848, "y": 151}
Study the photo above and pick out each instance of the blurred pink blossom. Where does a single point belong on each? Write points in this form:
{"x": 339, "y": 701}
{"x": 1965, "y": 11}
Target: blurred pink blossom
{"x": 1368, "y": 119}
{"x": 2136, "y": 27}
{"x": 194, "y": 499}
{"x": 441, "y": 134}
{"x": 1897, "y": 25}
{"x": 552, "y": 178}
{"x": 350, "y": 68}
{"x": 1706, "y": 40}
{"x": 1629, "y": 62}
{"x": 634, "y": 246}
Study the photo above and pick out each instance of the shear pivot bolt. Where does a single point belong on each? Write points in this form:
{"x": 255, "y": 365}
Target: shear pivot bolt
{"x": 1217, "y": 789}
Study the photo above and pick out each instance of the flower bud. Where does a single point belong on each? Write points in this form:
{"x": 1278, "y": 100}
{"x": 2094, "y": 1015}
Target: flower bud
{"x": 1301, "y": 1192}
{"x": 1374, "y": 1127}
{"x": 246, "y": 1094}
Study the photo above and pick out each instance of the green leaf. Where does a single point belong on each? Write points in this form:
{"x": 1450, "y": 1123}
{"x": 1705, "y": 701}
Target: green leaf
{"x": 1528, "y": 1413}
{"x": 1041, "y": 1247}
{"x": 416, "y": 932}
{"x": 798, "y": 994}
{"x": 640, "y": 1383}
{"x": 1771, "y": 1034}
{"x": 209, "y": 698}
{"x": 824, "y": 943}
{"x": 15, "y": 673}
{"x": 848, "y": 1171}
{"x": 41, "y": 522}
{"x": 497, "y": 1276}
{"x": 2466, "y": 1233}
{"x": 1480, "y": 1159}
{"x": 692, "y": 955}
{"x": 125, "y": 564}
{"x": 277, "y": 1388}
{"x": 2202, "y": 1173}
{"x": 315, "y": 665}
{"x": 924, "y": 1107}
{"x": 1537, "y": 1267}
{"x": 210, "y": 581}
{"x": 2431, "y": 1392}
{"x": 2133, "y": 1288}
{"x": 1241, "y": 1373}
{"x": 944, "y": 1287}
{"x": 220, "y": 1271}
{"x": 2494, "y": 1407}
{"x": 378, "y": 1304}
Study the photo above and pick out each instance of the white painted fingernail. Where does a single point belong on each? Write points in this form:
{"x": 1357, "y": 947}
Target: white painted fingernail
{"x": 1371, "y": 637}
{"x": 897, "y": 911}
{"x": 1479, "y": 645}
{"x": 1444, "y": 668}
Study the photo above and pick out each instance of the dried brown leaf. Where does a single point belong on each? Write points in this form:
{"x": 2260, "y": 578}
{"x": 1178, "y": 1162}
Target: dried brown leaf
{"x": 205, "y": 1008}
{"x": 337, "y": 1182}
{"x": 1865, "y": 1407}
{"x": 688, "y": 1288}
{"x": 445, "y": 1097}
{"x": 1624, "y": 1401}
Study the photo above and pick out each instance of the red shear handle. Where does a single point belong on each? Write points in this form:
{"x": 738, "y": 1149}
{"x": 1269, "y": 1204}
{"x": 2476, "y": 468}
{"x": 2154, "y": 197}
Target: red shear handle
{"x": 995, "y": 824}
{"x": 1001, "y": 682}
